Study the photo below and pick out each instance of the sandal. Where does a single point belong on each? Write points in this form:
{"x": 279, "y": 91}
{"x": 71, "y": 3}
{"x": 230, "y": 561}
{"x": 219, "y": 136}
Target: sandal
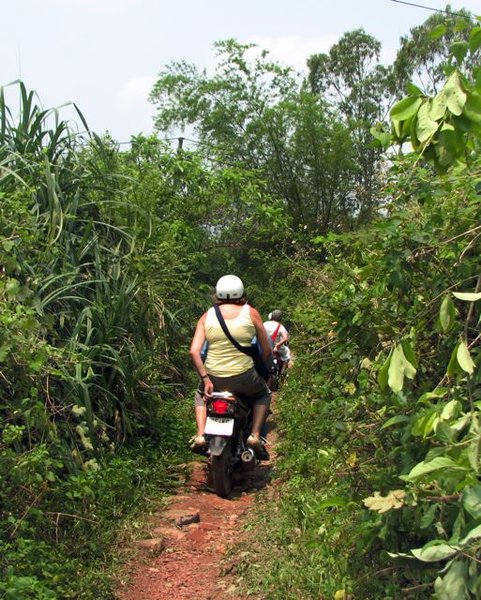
{"x": 257, "y": 445}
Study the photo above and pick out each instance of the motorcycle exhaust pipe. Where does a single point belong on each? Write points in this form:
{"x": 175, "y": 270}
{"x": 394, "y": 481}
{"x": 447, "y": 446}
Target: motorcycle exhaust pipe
{"x": 248, "y": 460}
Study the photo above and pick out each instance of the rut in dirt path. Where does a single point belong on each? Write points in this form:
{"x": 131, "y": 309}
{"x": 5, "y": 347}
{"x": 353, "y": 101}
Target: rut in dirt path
{"x": 189, "y": 561}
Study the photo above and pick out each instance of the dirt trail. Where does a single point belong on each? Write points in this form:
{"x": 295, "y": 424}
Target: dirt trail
{"x": 189, "y": 561}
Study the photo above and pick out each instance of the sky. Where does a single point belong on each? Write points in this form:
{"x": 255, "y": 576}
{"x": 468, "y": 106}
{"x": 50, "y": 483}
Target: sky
{"x": 104, "y": 55}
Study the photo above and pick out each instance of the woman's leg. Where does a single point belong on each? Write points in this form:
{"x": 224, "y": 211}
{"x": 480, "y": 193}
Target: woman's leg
{"x": 259, "y": 416}
{"x": 200, "y": 418}
{"x": 198, "y": 441}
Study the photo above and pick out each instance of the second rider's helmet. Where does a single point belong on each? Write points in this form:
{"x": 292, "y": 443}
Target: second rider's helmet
{"x": 229, "y": 287}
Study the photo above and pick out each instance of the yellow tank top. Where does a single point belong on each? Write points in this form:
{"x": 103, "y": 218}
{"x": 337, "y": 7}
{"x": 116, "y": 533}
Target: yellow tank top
{"x": 223, "y": 358}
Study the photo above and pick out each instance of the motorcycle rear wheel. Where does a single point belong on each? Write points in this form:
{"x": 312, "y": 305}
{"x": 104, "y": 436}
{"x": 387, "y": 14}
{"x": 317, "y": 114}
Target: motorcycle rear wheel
{"x": 222, "y": 473}
{"x": 275, "y": 380}
{"x": 276, "y": 377}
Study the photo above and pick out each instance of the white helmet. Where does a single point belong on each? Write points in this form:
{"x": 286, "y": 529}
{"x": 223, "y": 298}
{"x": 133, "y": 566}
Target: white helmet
{"x": 229, "y": 287}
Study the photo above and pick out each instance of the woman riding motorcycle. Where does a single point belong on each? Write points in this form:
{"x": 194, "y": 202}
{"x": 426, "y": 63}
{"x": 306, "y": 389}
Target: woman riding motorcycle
{"x": 226, "y": 368}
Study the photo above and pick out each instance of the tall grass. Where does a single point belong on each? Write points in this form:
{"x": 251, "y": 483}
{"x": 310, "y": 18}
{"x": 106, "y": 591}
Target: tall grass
{"x": 78, "y": 270}
{"x": 76, "y": 344}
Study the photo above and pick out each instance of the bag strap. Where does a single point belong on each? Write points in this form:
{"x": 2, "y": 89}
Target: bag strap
{"x": 274, "y": 335}
{"x": 234, "y": 342}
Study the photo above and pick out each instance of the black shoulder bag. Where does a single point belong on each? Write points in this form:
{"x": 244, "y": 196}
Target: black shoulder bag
{"x": 252, "y": 350}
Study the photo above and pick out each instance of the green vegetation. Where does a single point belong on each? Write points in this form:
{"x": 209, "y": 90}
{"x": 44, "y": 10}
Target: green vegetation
{"x": 81, "y": 332}
{"x": 366, "y": 232}
{"x": 106, "y": 256}
{"x": 380, "y": 416}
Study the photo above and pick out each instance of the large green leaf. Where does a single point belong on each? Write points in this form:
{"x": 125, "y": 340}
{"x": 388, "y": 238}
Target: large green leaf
{"x": 405, "y": 108}
{"x": 472, "y": 108}
{"x": 445, "y": 433}
{"x": 426, "y": 468}
{"x": 383, "y": 137}
{"x": 438, "y": 105}
{"x": 429, "y": 516}
{"x": 396, "y": 370}
{"x": 435, "y": 552}
{"x": 472, "y": 453}
{"x": 437, "y": 393}
{"x": 462, "y": 423}
{"x": 409, "y": 369}
{"x": 464, "y": 358}
{"x": 453, "y": 365}
{"x": 474, "y": 534}
{"x": 459, "y": 50}
{"x": 383, "y": 374}
{"x": 472, "y": 500}
{"x": 475, "y": 39}
{"x": 395, "y": 420}
{"x": 447, "y": 314}
{"x": 453, "y": 586}
{"x": 425, "y": 126}
{"x": 413, "y": 90}
{"x": 409, "y": 354}
{"x": 467, "y": 296}
{"x": 452, "y": 409}
{"x": 450, "y": 142}
{"x": 399, "y": 367}
{"x": 426, "y": 423}
{"x": 456, "y": 97}
{"x": 397, "y": 127}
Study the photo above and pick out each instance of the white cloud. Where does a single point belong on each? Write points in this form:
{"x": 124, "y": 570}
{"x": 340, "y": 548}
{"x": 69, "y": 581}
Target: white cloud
{"x": 293, "y": 50}
{"x": 134, "y": 92}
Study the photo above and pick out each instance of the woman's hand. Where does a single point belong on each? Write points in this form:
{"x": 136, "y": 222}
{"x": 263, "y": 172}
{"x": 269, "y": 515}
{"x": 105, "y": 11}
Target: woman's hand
{"x": 208, "y": 387}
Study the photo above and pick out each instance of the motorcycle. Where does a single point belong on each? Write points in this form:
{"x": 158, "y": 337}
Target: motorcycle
{"x": 276, "y": 372}
{"x": 229, "y": 421}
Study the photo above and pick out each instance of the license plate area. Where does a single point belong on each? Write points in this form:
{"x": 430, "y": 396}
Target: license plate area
{"x": 219, "y": 426}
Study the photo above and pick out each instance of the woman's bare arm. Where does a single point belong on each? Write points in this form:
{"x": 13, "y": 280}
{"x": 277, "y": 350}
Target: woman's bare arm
{"x": 195, "y": 350}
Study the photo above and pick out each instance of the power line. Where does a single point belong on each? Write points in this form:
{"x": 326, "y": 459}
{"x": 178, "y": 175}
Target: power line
{"x": 439, "y": 10}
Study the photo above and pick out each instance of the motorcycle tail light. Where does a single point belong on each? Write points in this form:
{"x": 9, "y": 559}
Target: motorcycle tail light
{"x": 220, "y": 407}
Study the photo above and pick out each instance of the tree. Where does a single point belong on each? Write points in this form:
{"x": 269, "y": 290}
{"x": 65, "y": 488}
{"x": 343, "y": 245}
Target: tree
{"x": 310, "y": 155}
{"x": 254, "y": 111}
{"x": 428, "y": 50}
{"x": 226, "y": 107}
{"x": 351, "y": 77}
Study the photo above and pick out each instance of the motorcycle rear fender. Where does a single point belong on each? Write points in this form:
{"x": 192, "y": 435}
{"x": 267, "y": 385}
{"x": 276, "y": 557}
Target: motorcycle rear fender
{"x": 217, "y": 444}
